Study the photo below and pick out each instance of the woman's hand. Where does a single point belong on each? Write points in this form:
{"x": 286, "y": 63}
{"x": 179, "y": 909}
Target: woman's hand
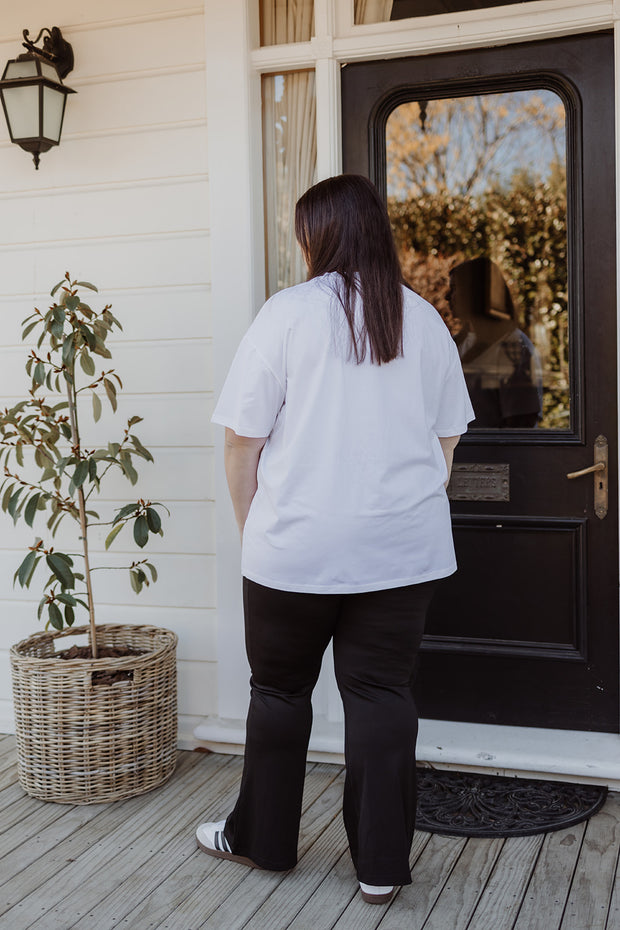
{"x": 241, "y": 457}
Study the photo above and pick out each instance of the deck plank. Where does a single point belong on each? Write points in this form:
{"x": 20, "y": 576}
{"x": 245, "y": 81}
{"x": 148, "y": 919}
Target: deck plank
{"x": 9, "y": 795}
{"x": 458, "y": 898}
{"x": 287, "y": 900}
{"x": 40, "y": 858}
{"x": 23, "y": 819}
{"x": 613, "y": 919}
{"x": 233, "y": 892}
{"x": 364, "y": 916}
{"x": 545, "y": 899}
{"x": 7, "y": 745}
{"x": 501, "y": 897}
{"x": 331, "y": 898}
{"x": 150, "y": 855}
{"x": 414, "y": 902}
{"x": 7, "y": 761}
{"x": 102, "y": 867}
{"x": 124, "y": 904}
{"x": 8, "y": 776}
{"x": 590, "y": 894}
{"x": 200, "y": 884}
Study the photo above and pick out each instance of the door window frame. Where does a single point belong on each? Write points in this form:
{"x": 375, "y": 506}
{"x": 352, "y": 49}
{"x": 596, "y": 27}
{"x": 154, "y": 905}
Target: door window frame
{"x": 569, "y": 96}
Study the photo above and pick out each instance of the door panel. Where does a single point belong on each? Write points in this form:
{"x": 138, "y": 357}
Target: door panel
{"x": 520, "y": 261}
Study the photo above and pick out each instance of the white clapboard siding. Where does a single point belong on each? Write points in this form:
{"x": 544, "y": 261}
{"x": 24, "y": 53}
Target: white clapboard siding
{"x": 144, "y": 312}
{"x": 176, "y": 475}
{"x": 5, "y": 680}
{"x": 84, "y": 16}
{"x": 149, "y": 367}
{"x": 175, "y": 206}
{"x": 122, "y": 261}
{"x": 135, "y": 154}
{"x": 196, "y": 678}
{"x": 168, "y": 420}
{"x": 184, "y": 580}
{"x": 188, "y": 529}
{"x": 174, "y": 419}
{"x": 138, "y": 100}
{"x": 102, "y": 48}
{"x": 124, "y": 202}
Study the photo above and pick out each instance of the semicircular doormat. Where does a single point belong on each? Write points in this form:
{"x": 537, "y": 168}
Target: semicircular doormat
{"x": 467, "y": 804}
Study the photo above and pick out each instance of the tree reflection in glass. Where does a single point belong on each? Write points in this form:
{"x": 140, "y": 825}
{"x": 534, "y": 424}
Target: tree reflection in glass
{"x": 477, "y": 198}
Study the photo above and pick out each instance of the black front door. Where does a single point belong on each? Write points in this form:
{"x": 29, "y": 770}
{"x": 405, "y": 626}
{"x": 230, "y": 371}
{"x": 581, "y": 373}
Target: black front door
{"x": 498, "y": 169}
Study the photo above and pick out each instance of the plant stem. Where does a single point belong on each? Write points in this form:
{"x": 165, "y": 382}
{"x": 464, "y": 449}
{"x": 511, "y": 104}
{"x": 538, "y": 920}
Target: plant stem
{"x": 75, "y": 438}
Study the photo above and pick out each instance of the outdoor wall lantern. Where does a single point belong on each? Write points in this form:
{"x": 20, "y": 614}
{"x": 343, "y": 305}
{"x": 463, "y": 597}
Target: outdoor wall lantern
{"x": 33, "y": 95}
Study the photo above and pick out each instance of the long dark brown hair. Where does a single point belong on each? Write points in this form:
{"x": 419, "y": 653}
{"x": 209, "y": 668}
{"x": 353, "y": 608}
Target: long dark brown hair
{"x": 342, "y": 225}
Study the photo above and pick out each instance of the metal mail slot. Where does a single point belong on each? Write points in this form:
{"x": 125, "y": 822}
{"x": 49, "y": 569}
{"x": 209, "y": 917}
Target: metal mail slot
{"x": 479, "y": 482}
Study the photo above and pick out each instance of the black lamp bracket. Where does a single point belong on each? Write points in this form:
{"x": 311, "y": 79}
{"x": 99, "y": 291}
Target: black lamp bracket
{"x": 55, "y": 49}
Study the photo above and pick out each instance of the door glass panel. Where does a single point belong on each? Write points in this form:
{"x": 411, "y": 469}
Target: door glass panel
{"x": 382, "y": 11}
{"x": 477, "y": 198}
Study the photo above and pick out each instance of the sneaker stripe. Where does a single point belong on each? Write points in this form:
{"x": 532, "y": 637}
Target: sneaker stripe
{"x": 216, "y": 838}
{"x": 225, "y": 843}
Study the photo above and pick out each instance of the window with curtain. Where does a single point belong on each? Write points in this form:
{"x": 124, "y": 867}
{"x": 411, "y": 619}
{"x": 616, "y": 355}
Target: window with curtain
{"x": 284, "y": 21}
{"x": 289, "y": 159}
{"x": 382, "y": 11}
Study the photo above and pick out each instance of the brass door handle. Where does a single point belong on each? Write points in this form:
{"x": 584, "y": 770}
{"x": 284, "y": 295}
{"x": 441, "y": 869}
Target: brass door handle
{"x": 600, "y": 466}
{"x": 599, "y": 469}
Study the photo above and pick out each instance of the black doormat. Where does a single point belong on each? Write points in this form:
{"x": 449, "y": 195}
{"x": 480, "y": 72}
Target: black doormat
{"x": 466, "y": 804}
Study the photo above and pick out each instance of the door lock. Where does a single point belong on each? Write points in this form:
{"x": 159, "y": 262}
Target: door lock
{"x": 599, "y": 470}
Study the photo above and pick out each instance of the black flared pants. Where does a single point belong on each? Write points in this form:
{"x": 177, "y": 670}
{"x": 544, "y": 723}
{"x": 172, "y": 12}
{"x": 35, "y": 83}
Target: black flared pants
{"x": 376, "y": 637}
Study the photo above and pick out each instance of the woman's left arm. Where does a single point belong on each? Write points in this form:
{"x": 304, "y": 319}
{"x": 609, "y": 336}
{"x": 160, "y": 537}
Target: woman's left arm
{"x": 241, "y": 457}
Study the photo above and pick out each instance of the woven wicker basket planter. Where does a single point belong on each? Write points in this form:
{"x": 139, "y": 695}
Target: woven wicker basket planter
{"x": 80, "y": 742}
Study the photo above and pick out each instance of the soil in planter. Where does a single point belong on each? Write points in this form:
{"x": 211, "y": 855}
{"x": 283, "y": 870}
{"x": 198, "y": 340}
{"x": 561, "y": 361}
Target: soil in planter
{"x": 104, "y": 676}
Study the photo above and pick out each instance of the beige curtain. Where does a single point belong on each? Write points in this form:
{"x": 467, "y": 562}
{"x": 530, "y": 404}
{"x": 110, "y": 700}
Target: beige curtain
{"x": 289, "y": 133}
{"x": 289, "y": 140}
{"x": 372, "y": 11}
{"x": 285, "y": 21}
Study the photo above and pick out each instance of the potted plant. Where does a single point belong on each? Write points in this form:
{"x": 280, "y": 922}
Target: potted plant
{"x": 94, "y": 722}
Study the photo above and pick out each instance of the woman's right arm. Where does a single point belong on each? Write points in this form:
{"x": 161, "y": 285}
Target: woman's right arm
{"x": 448, "y": 445}
{"x": 241, "y": 455}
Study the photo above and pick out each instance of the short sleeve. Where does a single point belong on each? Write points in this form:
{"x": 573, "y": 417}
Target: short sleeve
{"x": 454, "y": 409}
{"x": 252, "y": 394}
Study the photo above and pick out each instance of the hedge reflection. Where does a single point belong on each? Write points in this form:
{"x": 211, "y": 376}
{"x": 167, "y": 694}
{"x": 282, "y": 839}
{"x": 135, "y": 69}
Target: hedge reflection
{"x": 522, "y": 228}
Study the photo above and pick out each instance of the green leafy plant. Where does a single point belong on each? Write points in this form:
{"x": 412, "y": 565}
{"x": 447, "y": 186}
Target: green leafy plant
{"x": 48, "y": 468}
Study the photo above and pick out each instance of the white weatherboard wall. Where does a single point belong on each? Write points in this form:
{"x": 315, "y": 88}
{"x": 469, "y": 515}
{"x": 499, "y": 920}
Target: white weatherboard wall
{"x": 123, "y": 202}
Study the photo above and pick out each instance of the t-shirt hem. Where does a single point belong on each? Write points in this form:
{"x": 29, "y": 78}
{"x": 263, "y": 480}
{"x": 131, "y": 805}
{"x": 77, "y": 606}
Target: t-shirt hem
{"x": 459, "y": 430}
{"x": 347, "y": 588}
{"x": 240, "y": 431}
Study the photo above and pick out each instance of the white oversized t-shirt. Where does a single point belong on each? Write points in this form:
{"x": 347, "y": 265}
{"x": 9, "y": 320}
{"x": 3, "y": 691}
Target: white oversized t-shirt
{"x": 351, "y": 491}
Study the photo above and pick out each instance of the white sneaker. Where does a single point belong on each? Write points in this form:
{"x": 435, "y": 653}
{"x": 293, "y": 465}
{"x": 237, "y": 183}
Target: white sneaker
{"x": 210, "y": 838}
{"x": 376, "y": 894}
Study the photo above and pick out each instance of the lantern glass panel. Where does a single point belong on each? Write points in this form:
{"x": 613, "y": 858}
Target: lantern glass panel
{"x": 53, "y": 109}
{"x": 49, "y": 71}
{"x": 22, "y": 110}
{"x": 21, "y": 69}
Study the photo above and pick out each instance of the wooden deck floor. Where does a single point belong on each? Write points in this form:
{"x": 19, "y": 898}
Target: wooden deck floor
{"x": 134, "y": 864}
